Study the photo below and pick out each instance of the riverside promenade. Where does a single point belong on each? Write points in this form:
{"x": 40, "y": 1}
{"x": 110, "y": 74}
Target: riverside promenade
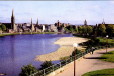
{"x": 90, "y": 62}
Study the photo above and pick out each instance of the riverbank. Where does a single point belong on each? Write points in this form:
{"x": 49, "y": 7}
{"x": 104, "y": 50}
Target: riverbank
{"x": 8, "y": 34}
{"x": 65, "y": 49}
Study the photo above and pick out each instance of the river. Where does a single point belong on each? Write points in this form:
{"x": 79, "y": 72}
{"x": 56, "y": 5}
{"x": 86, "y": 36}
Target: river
{"x": 19, "y": 50}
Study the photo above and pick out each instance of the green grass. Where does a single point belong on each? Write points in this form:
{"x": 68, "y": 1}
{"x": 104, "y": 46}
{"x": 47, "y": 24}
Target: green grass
{"x": 109, "y": 56}
{"x": 104, "y": 40}
{"x": 104, "y": 72}
{"x": 8, "y": 34}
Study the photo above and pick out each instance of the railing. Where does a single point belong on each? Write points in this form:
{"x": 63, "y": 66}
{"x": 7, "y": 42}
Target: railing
{"x": 62, "y": 63}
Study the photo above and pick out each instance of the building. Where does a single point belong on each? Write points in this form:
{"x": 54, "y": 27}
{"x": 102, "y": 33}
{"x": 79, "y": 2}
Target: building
{"x": 30, "y": 27}
{"x": 11, "y": 27}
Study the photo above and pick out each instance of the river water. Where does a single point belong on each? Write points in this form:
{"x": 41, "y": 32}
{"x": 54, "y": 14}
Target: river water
{"x": 19, "y": 50}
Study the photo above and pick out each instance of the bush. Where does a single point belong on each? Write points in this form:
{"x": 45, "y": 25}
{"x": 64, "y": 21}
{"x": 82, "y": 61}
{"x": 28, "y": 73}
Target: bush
{"x": 46, "y": 64}
{"x": 28, "y": 70}
{"x": 64, "y": 59}
{"x": 76, "y": 52}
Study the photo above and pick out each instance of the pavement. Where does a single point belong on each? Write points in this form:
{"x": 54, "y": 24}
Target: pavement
{"x": 90, "y": 62}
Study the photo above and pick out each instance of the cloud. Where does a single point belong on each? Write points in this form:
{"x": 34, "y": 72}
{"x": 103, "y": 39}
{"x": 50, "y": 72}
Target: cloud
{"x": 5, "y": 20}
{"x": 24, "y": 13}
{"x": 4, "y": 5}
{"x": 112, "y": 2}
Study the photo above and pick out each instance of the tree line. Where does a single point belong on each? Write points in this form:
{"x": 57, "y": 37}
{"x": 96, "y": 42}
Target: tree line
{"x": 90, "y": 30}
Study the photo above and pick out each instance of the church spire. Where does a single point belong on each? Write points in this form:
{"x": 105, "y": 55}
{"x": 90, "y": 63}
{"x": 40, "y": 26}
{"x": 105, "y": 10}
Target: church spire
{"x": 32, "y": 27}
{"x": 58, "y": 20}
{"x": 58, "y": 23}
{"x": 85, "y": 22}
{"x": 37, "y": 22}
{"x": 103, "y": 21}
{"x": 31, "y": 21}
{"x": 13, "y": 21}
{"x": 12, "y": 13}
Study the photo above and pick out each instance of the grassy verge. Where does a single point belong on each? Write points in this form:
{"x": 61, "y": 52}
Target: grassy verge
{"x": 104, "y": 72}
{"x": 8, "y": 34}
{"x": 103, "y": 40}
{"x": 109, "y": 56}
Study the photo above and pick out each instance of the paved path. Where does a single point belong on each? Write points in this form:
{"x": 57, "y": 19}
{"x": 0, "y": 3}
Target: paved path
{"x": 89, "y": 63}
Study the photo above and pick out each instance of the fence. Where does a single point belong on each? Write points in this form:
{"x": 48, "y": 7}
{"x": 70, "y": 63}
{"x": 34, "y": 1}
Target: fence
{"x": 62, "y": 63}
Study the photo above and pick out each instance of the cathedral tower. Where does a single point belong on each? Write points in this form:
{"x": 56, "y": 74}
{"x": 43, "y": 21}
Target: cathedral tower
{"x": 103, "y": 22}
{"x": 37, "y": 22}
{"x": 36, "y": 26}
{"x": 85, "y": 22}
{"x": 32, "y": 27}
{"x": 13, "y": 27}
{"x": 58, "y": 23}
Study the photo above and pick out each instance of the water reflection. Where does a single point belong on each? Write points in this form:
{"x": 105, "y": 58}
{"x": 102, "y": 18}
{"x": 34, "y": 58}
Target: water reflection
{"x": 19, "y": 50}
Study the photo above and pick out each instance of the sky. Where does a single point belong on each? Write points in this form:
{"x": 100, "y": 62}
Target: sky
{"x": 49, "y": 12}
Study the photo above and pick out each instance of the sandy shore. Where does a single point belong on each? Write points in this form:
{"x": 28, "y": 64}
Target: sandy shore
{"x": 66, "y": 49}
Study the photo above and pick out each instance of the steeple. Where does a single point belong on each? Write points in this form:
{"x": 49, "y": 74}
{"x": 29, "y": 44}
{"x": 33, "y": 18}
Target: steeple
{"x": 37, "y": 22}
{"x": 103, "y": 21}
{"x": 58, "y": 23}
{"x": 58, "y": 20}
{"x": 31, "y": 21}
{"x": 13, "y": 27}
{"x": 12, "y": 13}
{"x": 85, "y": 22}
{"x": 32, "y": 27}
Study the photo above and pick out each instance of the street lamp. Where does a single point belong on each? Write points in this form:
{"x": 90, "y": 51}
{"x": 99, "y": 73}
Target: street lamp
{"x": 75, "y": 45}
{"x": 106, "y": 42}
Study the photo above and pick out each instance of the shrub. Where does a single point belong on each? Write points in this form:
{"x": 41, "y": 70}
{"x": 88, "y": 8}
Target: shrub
{"x": 46, "y": 64}
{"x": 28, "y": 70}
{"x": 76, "y": 52}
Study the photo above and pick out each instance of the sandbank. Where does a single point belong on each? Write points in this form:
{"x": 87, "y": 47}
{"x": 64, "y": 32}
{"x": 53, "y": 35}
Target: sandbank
{"x": 65, "y": 49}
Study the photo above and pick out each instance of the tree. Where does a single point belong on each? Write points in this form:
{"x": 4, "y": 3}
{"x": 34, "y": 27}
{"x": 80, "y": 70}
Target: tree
{"x": 28, "y": 70}
{"x": 46, "y": 64}
{"x": 84, "y": 30}
{"x": 71, "y": 29}
{"x": 110, "y": 30}
{"x": 80, "y": 29}
{"x": 76, "y": 29}
{"x": 2, "y": 27}
{"x": 89, "y": 29}
{"x": 66, "y": 30}
{"x": 101, "y": 30}
{"x": 76, "y": 51}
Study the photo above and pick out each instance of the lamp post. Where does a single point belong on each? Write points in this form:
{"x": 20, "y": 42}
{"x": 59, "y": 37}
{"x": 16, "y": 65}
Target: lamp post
{"x": 106, "y": 42}
{"x": 75, "y": 45}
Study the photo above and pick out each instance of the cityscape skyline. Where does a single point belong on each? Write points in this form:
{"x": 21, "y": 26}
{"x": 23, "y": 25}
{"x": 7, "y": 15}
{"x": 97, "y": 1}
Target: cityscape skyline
{"x": 48, "y": 12}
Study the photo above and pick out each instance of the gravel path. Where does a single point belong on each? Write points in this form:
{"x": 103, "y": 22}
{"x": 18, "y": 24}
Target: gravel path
{"x": 91, "y": 62}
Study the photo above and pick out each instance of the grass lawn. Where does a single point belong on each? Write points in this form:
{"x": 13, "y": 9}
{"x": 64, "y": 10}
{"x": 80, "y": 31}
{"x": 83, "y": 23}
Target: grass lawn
{"x": 104, "y": 40}
{"x": 109, "y": 56}
{"x": 104, "y": 72}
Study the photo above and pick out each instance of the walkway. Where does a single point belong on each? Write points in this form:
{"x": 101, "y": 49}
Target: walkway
{"x": 89, "y": 63}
